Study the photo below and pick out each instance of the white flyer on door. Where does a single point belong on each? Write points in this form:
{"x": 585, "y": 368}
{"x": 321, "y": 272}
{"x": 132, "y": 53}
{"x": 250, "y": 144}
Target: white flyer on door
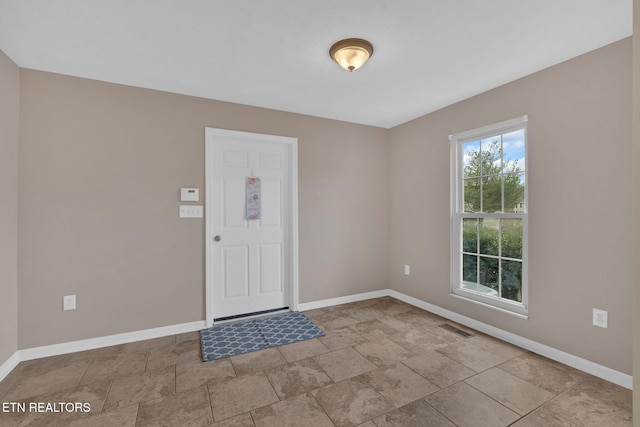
{"x": 253, "y": 198}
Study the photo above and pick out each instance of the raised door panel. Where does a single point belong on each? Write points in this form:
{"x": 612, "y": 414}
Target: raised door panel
{"x": 235, "y": 266}
{"x": 270, "y": 268}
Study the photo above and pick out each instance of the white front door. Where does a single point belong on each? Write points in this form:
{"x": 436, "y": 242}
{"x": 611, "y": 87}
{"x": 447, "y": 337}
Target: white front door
{"x": 251, "y": 264}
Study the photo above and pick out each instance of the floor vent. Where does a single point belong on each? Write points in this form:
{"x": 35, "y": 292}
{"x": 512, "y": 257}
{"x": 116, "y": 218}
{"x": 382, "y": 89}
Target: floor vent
{"x": 455, "y": 330}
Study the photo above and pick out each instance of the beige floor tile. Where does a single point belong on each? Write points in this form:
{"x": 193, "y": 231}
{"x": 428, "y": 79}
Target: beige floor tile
{"x": 416, "y": 414}
{"x": 336, "y": 323}
{"x": 392, "y": 307}
{"x": 594, "y": 402}
{"x": 99, "y": 353}
{"x": 351, "y": 402}
{"x": 330, "y": 318}
{"x": 47, "y": 364}
{"x": 374, "y": 329}
{"x": 187, "y": 409}
{"x": 396, "y": 323}
{"x": 111, "y": 366}
{"x": 607, "y": 392}
{"x": 136, "y": 388}
{"x": 242, "y": 394}
{"x": 344, "y": 363}
{"x": 471, "y": 356}
{"x": 297, "y": 378}
{"x": 319, "y": 313}
{"x": 418, "y": 317}
{"x": 399, "y": 384}
{"x": 300, "y": 410}
{"x": 543, "y": 372}
{"x": 124, "y": 417}
{"x": 186, "y": 351}
{"x": 444, "y": 334}
{"x": 438, "y": 369}
{"x": 149, "y": 344}
{"x": 196, "y": 374}
{"x": 366, "y": 302}
{"x": 92, "y": 394}
{"x": 367, "y": 424}
{"x": 302, "y": 350}
{"x": 49, "y": 379}
{"x": 10, "y": 381}
{"x": 467, "y": 407}
{"x": 361, "y": 314}
{"x": 384, "y": 299}
{"x": 417, "y": 340}
{"x": 516, "y": 394}
{"x": 383, "y": 351}
{"x": 495, "y": 346}
{"x": 542, "y": 417}
{"x": 342, "y": 338}
{"x": 188, "y": 336}
{"x": 255, "y": 361}
{"x": 11, "y": 416}
{"x": 242, "y": 420}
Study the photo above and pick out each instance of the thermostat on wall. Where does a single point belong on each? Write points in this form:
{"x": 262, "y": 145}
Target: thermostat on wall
{"x": 189, "y": 194}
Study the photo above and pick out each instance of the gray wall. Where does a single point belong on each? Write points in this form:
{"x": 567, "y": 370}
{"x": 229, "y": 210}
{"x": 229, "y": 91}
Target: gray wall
{"x": 101, "y": 169}
{"x": 9, "y": 124}
{"x": 580, "y": 210}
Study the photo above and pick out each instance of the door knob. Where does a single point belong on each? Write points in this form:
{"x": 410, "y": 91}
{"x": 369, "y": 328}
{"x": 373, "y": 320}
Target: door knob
{"x": 217, "y": 238}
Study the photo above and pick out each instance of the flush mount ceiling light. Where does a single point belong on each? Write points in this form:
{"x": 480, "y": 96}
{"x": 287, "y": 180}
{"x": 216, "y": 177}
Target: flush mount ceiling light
{"x": 351, "y": 54}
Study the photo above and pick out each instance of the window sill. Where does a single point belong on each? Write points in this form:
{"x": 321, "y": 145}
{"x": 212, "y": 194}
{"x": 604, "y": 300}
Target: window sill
{"x": 524, "y": 316}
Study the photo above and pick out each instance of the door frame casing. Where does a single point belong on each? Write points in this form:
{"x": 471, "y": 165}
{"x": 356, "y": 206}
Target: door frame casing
{"x": 291, "y": 233}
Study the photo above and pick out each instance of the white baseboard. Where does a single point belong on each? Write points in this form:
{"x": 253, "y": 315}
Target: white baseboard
{"x": 93, "y": 343}
{"x": 579, "y": 363}
{"x": 592, "y": 368}
{"x": 7, "y": 367}
{"x": 342, "y": 300}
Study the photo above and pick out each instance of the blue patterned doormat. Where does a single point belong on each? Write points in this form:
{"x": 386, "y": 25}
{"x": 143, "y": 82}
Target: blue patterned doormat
{"x": 256, "y": 334}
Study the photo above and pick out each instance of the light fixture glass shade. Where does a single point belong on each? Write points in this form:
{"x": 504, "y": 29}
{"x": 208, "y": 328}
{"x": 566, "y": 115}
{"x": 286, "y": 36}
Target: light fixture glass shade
{"x": 351, "y": 54}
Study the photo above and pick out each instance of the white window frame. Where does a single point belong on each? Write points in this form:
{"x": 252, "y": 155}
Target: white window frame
{"x": 457, "y": 214}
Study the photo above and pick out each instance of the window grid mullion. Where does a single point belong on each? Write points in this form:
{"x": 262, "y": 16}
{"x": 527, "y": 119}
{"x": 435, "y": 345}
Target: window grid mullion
{"x": 500, "y": 220}
{"x": 502, "y": 173}
{"x": 481, "y": 178}
{"x": 477, "y": 252}
{"x": 492, "y": 215}
{"x": 493, "y": 256}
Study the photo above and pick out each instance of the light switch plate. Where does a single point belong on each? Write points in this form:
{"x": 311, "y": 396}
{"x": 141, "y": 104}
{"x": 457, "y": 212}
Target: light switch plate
{"x": 407, "y": 269}
{"x": 191, "y": 211}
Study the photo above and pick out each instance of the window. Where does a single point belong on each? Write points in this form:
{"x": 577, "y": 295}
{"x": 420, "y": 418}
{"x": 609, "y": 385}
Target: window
{"x": 489, "y": 215}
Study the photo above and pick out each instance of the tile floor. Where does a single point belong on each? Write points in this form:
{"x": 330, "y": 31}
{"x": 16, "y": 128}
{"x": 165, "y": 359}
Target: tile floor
{"x": 382, "y": 363}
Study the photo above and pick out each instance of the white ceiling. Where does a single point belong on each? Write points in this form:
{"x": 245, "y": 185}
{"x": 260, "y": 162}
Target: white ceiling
{"x": 274, "y": 53}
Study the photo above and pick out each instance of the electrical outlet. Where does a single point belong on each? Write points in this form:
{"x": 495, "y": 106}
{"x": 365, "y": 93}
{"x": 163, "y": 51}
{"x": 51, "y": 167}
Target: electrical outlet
{"x": 600, "y": 318}
{"x": 407, "y": 270}
{"x": 69, "y": 302}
